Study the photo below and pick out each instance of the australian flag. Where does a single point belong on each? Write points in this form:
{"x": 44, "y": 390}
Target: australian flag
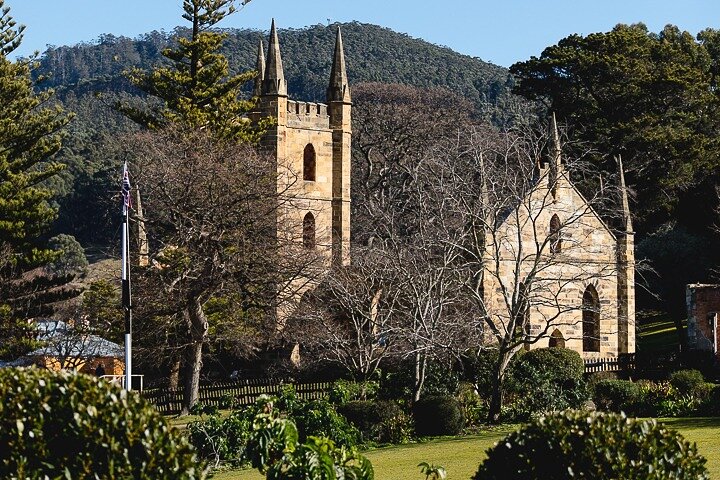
{"x": 127, "y": 197}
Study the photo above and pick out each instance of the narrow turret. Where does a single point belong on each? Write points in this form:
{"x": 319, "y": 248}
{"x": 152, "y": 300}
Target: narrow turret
{"x": 338, "y": 90}
{"x": 627, "y": 219}
{"x": 555, "y": 155}
{"x": 626, "y": 272}
{"x": 260, "y": 67}
{"x": 274, "y": 79}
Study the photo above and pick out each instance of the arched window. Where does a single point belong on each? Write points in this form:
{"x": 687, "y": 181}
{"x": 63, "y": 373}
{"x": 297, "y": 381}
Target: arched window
{"x": 309, "y": 163}
{"x": 556, "y": 339}
{"x": 591, "y": 320}
{"x": 555, "y": 239}
{"x": 309, "y": 231}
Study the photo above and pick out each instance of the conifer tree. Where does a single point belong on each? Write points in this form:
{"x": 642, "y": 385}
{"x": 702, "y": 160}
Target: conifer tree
{"x": 30, "y": 134}
{"x": 196, "y": 90}
{"x": 29, "y": 137}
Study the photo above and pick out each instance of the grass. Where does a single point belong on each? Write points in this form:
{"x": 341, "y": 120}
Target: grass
{"x": 656, "y": 333}
{"x": 461, "y": 456}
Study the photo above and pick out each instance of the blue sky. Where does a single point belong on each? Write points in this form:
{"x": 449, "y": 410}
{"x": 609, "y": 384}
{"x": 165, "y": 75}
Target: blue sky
{"x": 499, "y": 31}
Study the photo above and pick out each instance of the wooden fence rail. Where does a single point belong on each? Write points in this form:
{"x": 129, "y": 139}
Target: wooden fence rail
{"x": 623, "y": 363}
{"x": 237, "y": 392}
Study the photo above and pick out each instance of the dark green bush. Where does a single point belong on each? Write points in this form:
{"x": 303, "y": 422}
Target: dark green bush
{"x": 711, "y": 405}
{"x": 615, "y": 395}
{"x": 598, "y": 446}
{"x": 479, "y": 368}
{"x": 68, "y": 425}
{"x": 544, "y": 380}
{"x": 317, "y": 418}
{"x": 438, "y": 415}
{"x": 378, "y": 421}
{"x": 398, "y": 383}
{"x": 223, "y": 439}
{"x": 688, "y": 382}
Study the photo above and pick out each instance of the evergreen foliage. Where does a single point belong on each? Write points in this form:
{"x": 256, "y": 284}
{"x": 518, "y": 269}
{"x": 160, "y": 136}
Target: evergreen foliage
{"x": 68, "y": 425}
{"x": 592, "y": 446}
{"x": 29, "y": 136}
{"x": 196, "y": 90}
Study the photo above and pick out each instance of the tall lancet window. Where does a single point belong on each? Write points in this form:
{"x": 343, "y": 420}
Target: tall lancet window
{"x": 555, "y": 238}
{"x": 309, "y": 231}
{"x": 591, "y": 320}
{"x": 309, "y": 163}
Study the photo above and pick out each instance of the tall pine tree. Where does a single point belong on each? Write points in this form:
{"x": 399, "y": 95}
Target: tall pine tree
{"x": 196, "y": 90}
{"x": 30, "y": 134}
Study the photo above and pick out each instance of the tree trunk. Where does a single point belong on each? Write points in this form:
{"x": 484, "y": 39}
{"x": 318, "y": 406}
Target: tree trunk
{"x": 175, "y": 374}
{"x": 498, "y": 381}
{"x": 420, "y": 367}
{"x": 193, "y": 362}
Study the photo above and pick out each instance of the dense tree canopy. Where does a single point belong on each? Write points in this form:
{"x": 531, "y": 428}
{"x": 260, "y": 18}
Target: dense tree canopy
{"x": 650, "y": 97}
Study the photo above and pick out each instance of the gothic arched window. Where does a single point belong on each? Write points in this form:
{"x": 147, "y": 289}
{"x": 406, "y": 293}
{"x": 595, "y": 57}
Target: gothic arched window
{"x": 555, "y": 238}
{"x": 591, "y": 320}
{"x": 309, "y": 231}
{"x": 556, "y": 339}
{"x": 309, "y": 163}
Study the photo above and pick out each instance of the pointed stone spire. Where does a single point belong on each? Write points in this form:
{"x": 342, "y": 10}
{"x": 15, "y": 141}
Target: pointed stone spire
{"x": 274, "y": 78}
{"x": 555, "y": 154}
{"x": 260, "y": 67}
{"x": 627, "y": 219}
{"x": 338, "y": 90}
{"x": 555, "y": 147}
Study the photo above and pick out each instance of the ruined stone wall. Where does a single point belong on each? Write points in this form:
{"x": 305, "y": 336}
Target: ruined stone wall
{"x": 703, "y": 304}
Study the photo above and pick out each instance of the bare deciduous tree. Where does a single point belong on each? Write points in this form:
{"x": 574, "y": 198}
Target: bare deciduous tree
{"x": 222, "y": 235}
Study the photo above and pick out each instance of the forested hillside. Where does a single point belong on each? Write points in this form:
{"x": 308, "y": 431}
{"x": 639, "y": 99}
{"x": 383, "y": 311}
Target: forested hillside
{"x": 89, "y": 78}
{"x": 373, "y": 54}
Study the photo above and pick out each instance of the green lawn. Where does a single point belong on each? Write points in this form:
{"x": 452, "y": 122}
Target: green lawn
{"x": 461, "y": 457}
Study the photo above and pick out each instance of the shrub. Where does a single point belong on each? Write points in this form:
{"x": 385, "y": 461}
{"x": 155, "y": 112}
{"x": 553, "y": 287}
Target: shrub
{"x": 438, "y": 415}
{"x": 440, "y": 379}
{"x": 274, "y": 448}
{"x": 596, "y": 445}
{"x": 317, "y": 418}
{"x": 223, "y": 440}
{"x": 544, "y": 380}
{"x": 688, "y": 382}
{"x": 479, "y": 369}
{"x": 711, "y": 405}
{"x": 379, "y": 421}
{"x": 71, "y": 255}
{"x": 474, "y": 408}
{"x": 615, "y": 395}
{"x": 69, "y": 425}
{"x": 344, "y": 391}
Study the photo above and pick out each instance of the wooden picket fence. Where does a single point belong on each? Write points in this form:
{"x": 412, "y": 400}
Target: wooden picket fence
{"x": 237, "y": 392}
{"x": 623, "y": 363}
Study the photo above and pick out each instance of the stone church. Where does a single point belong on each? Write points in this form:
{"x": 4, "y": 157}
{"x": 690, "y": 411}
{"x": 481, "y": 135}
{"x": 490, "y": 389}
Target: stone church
{"x": 581, "y": 272}
{"x": 592, "y": 312}
{"x": 311, "y": 142}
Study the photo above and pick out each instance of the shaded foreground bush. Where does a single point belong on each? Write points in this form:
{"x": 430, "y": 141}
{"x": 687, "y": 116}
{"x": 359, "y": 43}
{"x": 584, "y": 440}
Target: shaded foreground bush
{"x": 544, "y": 380}
{"x": 438, "y": 415}
{"x": 69, "y": 425}
{"x": 598, "y": 446}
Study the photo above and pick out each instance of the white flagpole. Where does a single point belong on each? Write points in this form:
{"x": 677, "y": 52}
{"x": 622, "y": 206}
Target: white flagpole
{"x": 126, "y": 301}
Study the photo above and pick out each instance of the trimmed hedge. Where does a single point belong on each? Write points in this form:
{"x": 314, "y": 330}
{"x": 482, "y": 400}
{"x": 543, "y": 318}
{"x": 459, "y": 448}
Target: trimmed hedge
{"x": 598, "y": 446}
{"x": 69, "y": 425}
{"x": 438, "y": 415}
